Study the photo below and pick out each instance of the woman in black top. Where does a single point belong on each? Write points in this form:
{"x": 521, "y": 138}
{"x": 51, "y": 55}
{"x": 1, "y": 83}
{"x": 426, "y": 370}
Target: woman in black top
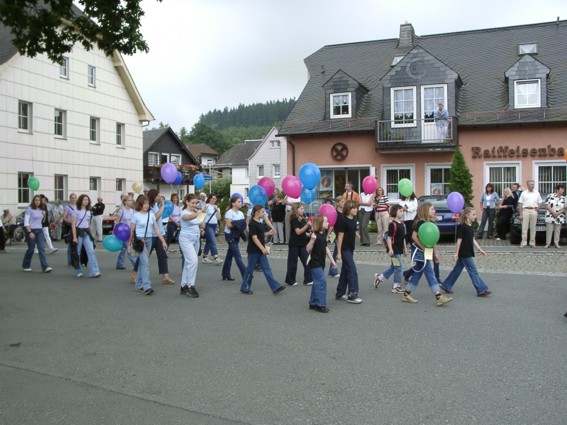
{"x": 505, "y": 211}
{"x": 278, "y": 218}
{"x": 300, "y": 231}
{"x": 348, "y": 281}
{"x": 257, "y": 253}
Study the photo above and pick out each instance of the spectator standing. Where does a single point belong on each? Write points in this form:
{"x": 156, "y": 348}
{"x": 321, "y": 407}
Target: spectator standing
{"x": 505, "y": 211}
{"x": 529, "y": 203}
{"x": 289, "y": 201}
{"x": 381, "y": 208}
{"x": 350, "y": 194}
{"x": 410, "y": 209}
{"x": 33, "y": 218}
{"x": 488, "y": 203}
{"x": 364, "y": 211}
{"x": 96, "y": 225}
{"x": 441, "y": 118}
{"x": 57, "y": 219}
{"x": 516, "y": 191}
{"x": 278, "y": 219}
{"x": 202, "y": 200}
{"x": 554, "y": 215}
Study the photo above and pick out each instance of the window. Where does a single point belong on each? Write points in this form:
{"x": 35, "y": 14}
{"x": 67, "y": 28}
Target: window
{"x": 393, "y": 174}
{"x": 119, "y": 134}
{"x": 432, "y": 97}
{"x": 175, "y": 159}
{"x": 527, "y": 49}
{"x": 396, "y": 60}
{"x": 153, "y": 159}
{"x": 24, "y": 116}
{"x": 60, "y": 122}
{"x": 276, "y": 170}
{"x": 64, "y": 68}
{"x": 275, "y": 143}
{"x": 60, "y": 187}
{"x": 94, "y": 130}
{"x": 340, "y": 105}
{"x": 91, "y": 77}
{"x": 94, "y": 184}
{"x": 403, "y": 107}
{"x": 120, "y": 185}
{"x": 550, "y": 175}
{"x": 260, "y": 169}
{"x": 164, "y": 158}
{"x": 527, "y": 94}
{"x": 439, "y": 179}
{"x": 502, "y": 175}
{"x": 24, "y": 192}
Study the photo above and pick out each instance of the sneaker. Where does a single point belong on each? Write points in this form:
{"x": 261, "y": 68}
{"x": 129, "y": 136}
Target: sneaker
{"x": 192, "y": 292}
{"x": 308, "y": 284}
{"x": 343, "y": 298}
{"x": 54, "y": 250}
{"x": 218, "y": 261}
{"x": 338, "y": 275}
{"x": 408, "y": 299}
{"x": 443, "y": 300}
{"x": 279, "y": 290}
{"x": 183, "y": 290}
{"x": 47, "y": 270}
{"x": 79, "y": 275}
{"x": 139, "y": 289}
{"x": 498, "y": 239}
{"x": 378, "y": 279}
{"x": 397, "y": 290}
{"x": 318, "y": 308}
{"x": 206, "y": 260}
{"x": 485, "y": 293}
{"x": 353, "y": 299}
{"x": 292, "y": 284}
{"x": 26, "y": 270}
{"x": 96, "y": 275}
{"x": 148, "y": 291}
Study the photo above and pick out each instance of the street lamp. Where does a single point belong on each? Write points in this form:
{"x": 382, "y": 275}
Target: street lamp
{"x": 209, "y": 165}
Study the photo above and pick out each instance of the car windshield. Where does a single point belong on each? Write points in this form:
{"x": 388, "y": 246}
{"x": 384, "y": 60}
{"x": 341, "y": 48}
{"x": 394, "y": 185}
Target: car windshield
{"x": 439, "y": 202}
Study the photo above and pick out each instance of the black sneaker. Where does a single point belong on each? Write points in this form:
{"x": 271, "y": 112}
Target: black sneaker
{"x": 277, "y": 291}
{"x": 192, "y": 292}
{"x": 183, "y": 290}
{"x": 149, "y": 291}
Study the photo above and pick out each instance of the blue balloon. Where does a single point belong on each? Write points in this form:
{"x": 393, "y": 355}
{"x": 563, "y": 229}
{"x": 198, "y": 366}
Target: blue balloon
{"x": 199, "y": 181}
{"x": 112, "y": 243}
{"x": 309, "y": 175}
{"x": 308, "y": 195}
{"x": 258, "y": 195}
{"x": 168, "y": 209}
{"x": 239, "y": 195}
{"x": 179, "y": 178}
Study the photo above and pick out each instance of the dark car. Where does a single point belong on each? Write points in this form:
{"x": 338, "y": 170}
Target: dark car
{"x": 108, "y": 222}
{"x": 446, "y": 220}
{"x": 516, "y": 227}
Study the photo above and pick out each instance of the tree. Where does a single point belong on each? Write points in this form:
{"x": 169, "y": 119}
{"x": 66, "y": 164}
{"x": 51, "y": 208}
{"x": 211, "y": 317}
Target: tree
{"x": 54, "y": 26}
{"x": 202, "y": 133}
{"x": 461, "y": 177}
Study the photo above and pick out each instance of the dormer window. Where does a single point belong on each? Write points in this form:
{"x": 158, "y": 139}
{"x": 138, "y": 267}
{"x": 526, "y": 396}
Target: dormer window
{"x": 527, "y": 49}
{"x": 341, "y": 105}
{"x": 397, "y": 59}
{"x": 527, "y": 94}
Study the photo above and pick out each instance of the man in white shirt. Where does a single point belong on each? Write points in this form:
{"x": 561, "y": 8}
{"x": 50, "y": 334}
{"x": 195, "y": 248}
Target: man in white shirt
{"x": 364, "y": 212}
{"x": 528, "y": 205}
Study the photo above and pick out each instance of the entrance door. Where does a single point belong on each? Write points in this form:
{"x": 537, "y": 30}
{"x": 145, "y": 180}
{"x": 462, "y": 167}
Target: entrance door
{"x": 431, "y": 96}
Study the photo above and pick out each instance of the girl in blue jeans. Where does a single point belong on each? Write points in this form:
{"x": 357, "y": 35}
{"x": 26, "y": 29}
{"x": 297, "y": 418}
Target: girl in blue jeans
{"x": 396, "y": 248}
{"x": 464, "y": 254}
{"x": 232, "y": 218}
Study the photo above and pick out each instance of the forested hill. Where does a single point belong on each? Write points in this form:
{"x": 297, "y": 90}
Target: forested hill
{"x": 257, "y": 114}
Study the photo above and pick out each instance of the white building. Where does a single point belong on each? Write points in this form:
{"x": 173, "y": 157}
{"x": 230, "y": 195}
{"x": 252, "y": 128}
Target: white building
{"x": 77, "y": 127}
{"x": 269, "y": 159}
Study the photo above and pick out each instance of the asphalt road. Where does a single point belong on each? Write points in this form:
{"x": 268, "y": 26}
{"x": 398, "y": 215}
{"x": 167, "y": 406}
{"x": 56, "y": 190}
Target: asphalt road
{"x": 92, "y": 351}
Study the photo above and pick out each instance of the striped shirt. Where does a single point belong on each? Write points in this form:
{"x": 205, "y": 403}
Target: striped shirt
{"x": 382, "y": 203}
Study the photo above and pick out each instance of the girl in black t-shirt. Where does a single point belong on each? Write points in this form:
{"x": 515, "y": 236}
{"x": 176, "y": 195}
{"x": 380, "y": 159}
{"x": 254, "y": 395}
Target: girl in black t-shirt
{"x": 345, "y": 246}
{"x": 464, "y": 254}
{"x": 339, "y": 202}
{"x": 317, "y": 246}
{"x": 300, "y": 232}
{"x": 257, "y": 253}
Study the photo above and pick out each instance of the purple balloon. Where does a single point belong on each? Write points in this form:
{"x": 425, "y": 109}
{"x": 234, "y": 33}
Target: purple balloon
{"x": 455, "y": 202}
{"x": 169, "y": 172}
{"x": 122, "y": 231}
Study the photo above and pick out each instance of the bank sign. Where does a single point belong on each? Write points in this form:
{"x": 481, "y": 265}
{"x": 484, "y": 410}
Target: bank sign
{"x": 517, "y": 152}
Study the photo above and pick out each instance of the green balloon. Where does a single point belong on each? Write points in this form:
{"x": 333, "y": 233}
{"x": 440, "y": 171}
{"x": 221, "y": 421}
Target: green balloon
{"x": 405, "y": 187}
{"x": 428, "y": 234}
{"x": 33, "y": 183}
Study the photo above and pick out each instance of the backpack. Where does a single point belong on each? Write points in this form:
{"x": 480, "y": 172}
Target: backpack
{"x": 386, "y": 236}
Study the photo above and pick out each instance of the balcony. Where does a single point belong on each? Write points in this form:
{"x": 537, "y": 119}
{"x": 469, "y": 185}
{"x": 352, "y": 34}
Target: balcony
{"x": 153, "y": 173}
{"x": 415, "y": 136}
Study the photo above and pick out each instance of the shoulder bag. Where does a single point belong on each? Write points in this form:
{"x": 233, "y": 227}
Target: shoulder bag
{"x": 138, "y": 244}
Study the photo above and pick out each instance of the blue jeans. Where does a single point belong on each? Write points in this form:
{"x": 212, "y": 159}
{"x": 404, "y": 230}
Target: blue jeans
{"x": 92, "y": 263}
{"x": 39, "y": 240}
{"x": 487, "y": 214}
{"x": 211, "y": 241}
{"x": 319, "y": 289}
{"x": 333, "y": 271}
{"x": 122, "y": 255}
{"x": 161, "y": 255}
{"x": 429, "y": 275}
{"x": 171, "y": 229}
{"x": 295, "y": 253}
{"x": 467, "y": 263}
{"x": 232, "y": 252}
{"x": 395, "y": 270}
{"x": 253, "y": 259}
{"x": 407, "y": 274}
{"x": 349, "y": 276}
{"x": 189, "y": 245}
{"x": 143, "y": 281}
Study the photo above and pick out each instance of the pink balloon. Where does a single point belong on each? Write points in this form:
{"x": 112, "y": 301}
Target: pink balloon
{"x": 330, "y": 212}
{"x": 291, "y": 186}
{"x": 268, "y": 185}
{"x": 369, "y": 184}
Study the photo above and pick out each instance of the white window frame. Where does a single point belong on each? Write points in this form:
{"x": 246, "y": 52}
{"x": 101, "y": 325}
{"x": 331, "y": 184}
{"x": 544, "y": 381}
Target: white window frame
{"x": 535, "y": 173}
{"x": 260, "y": 170}
{"x": 23, "y": 188}
{"x": 428, "y": 168}
{"x": 276, "y": 171}
{"x": 500, "y": 164}
{"x": 91, "y": 76}
{"x": 175, "y": 157}
{"x": 94, "y": 130}
{"x": 517, "y": 104}
{"x": 27, "y": 117}
{"x": 120, "y": 185}
{"x": 163, "y": 158}
{"x": 331, "y": 105}
{"x": 392, "y": 109}
{"x": 154, "y": 163}
{"x": 62, "y": 191}
{"x": 64, "y": 68}
{"x": 527, "y": 49}
{"x": 120, "y": 134}
{"x": 384, "y": 171}
{"x": 60, "y": 113}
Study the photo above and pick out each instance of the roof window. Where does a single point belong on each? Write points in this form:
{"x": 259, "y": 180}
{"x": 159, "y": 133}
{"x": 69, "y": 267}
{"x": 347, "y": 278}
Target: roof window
{"x": 527, "y": 49}
{"x": 397, "y": 59}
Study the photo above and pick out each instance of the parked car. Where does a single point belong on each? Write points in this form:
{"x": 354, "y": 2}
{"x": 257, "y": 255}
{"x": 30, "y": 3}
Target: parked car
{"x": 313, "y": 208}
{"x": 446, "y": 220}
{"x": 516, "y": 227}
{"x": 108, "y": 222}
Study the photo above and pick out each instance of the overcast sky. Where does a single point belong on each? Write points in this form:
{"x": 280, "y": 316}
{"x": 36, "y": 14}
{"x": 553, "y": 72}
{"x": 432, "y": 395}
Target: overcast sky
{"x": 207, "y": 54}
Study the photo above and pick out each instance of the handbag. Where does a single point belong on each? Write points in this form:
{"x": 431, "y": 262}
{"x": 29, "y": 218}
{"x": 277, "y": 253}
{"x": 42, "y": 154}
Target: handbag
{"x": 203, "y": 234}
{"x": 138, "y": 244}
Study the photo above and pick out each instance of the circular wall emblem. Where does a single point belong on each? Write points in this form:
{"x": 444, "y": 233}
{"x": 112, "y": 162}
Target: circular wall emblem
{"x": 339, "y": 151}
{"x": 416, "y": 68}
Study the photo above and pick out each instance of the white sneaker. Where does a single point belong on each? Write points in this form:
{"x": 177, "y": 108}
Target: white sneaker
{"x": 354, "y": 300}
{"x": 27, "y": 270}
{"x": 397, "y": 290}
{"x": 218, "y": 261}
{"x": 54, "y": 250}
{"x": 47, "y": 270}
{"x": 206, "y": 260}
{"x": 308, "y": 284}
{"x": 377, "y": 279}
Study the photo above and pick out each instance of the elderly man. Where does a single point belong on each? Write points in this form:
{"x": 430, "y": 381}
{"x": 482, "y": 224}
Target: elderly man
{"x": 528, "y": 205}
{"x": 96, "y": 223}
{"x": 202, "y": 200}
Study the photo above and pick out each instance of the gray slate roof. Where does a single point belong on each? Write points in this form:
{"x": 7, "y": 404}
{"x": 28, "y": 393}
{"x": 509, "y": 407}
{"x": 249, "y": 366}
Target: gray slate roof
{"x": 239, "y": 154}
{"x": 481, "y": 59}
{"x": 152, "y": 136}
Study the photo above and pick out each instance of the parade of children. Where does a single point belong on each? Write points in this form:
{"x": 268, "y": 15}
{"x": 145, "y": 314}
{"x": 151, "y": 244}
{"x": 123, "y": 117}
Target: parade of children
{"x": 189, "y": 241}
{"x": 347, "y": 288}
{"x": 300, "y": 232}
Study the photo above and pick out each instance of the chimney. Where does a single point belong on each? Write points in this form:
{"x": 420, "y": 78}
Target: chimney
{"x": 407, "y": 35}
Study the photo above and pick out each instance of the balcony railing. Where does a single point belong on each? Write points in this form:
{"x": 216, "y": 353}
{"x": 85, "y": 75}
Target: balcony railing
{"x": 153, "y": 173}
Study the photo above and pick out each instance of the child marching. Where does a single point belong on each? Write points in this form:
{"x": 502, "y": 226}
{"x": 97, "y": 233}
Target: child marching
{"x": 346, "y": 230}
